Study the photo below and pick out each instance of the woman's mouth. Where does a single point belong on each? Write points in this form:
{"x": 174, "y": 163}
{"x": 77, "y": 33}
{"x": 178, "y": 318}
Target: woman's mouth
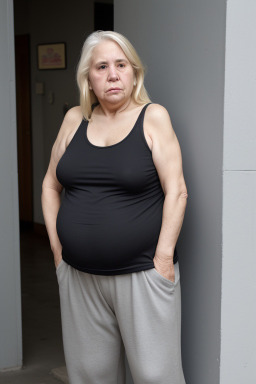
{"x": 113, "y": 90}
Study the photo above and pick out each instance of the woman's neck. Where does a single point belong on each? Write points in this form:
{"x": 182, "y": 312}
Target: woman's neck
{"x": 112, "y": 110}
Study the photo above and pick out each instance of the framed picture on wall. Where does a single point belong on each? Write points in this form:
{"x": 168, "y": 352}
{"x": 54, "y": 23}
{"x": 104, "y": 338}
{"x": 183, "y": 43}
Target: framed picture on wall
{"x": 51, "y": 56}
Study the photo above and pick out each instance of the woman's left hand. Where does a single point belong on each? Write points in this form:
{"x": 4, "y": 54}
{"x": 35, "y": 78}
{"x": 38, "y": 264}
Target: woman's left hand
{"x": 165, "y": 267}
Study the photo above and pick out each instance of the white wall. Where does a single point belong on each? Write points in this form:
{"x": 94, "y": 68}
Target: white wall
{"x": 10, "y": 297}
{"x": 183, "y": 46}
{"x": 238, "y": 319}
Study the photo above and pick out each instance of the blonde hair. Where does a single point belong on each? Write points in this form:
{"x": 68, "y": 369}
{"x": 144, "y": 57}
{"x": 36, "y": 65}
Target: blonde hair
{"x": 87, "y": 96}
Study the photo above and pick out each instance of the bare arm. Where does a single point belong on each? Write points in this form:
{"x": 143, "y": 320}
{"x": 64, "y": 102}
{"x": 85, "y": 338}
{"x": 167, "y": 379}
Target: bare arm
{"x": 167, "y": 158}
{"x": 51, "y": 188}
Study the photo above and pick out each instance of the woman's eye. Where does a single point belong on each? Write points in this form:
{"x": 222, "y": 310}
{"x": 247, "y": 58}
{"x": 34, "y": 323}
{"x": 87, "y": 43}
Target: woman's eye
{"x": 121, "y": 65}
{"x": 102, "y": 66}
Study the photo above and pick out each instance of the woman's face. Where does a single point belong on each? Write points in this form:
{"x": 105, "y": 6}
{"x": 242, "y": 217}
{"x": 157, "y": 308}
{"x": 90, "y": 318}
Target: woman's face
{"x": 111, "y": 75}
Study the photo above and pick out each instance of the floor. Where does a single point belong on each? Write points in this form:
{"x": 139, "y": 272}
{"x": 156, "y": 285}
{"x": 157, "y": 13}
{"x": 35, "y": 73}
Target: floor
{"x": 43, "y": 358}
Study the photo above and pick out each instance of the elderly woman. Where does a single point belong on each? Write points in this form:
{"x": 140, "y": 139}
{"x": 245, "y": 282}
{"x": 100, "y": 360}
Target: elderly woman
{"x": 114, "y": 234}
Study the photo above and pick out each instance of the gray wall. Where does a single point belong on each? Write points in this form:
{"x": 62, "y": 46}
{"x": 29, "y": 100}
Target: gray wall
{"x": 10, "y": 298}
{"x": 50, "y": 21}
{"x": 238, "y": 312}
{"x": 183, "y": 45}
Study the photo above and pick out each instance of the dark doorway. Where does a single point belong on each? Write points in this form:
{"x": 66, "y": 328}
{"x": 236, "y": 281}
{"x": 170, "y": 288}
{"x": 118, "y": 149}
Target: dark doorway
{"x": 24, "y": 137}
{"x": 103, "y": 16}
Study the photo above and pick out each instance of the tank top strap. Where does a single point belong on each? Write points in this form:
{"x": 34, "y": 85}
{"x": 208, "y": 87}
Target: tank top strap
{"x": 142, "y": 113}
{"x": 139, "y": 124}
{"x": 141, "y": 116}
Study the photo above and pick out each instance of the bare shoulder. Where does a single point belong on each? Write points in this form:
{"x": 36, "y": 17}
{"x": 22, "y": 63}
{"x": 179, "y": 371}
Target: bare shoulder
{"x": 74, "y": 115}
{"x": 71, "y": 121}
{"x": 157, "y": 119}
{"x": 70, "y": 124}
{"x": 157, "y": 111}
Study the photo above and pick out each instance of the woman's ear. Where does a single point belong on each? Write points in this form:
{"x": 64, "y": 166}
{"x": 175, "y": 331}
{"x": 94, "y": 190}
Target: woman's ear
{"x": 89, "y": 84}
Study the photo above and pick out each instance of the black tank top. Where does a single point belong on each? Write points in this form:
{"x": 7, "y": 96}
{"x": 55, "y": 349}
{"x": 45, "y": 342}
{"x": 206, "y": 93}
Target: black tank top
{"x": 111, "y": 212}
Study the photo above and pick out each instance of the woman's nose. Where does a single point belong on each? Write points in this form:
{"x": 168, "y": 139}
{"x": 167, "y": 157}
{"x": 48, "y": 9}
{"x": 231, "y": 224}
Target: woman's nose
{"x": 112, "y": 74}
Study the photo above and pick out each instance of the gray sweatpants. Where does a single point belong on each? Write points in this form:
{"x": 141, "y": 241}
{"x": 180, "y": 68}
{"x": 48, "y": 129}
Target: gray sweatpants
{"x": 105, "y": 316}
